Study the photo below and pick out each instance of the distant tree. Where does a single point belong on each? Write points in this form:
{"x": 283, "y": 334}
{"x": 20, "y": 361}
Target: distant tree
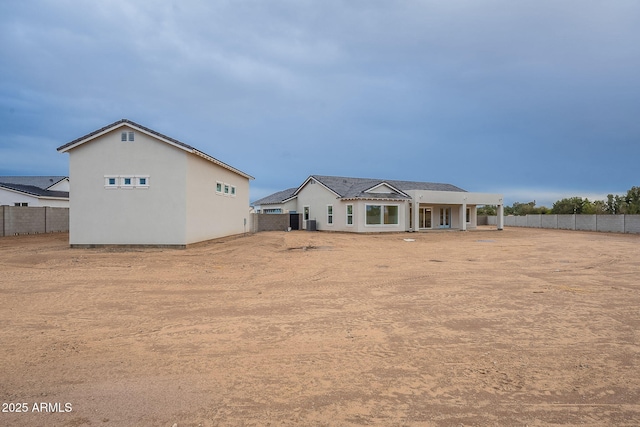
{"x": 573, "y": 205}
{"x": 632, "y": 201}
{"x": 488, "y": 210}
{"x": 522, "y": 208}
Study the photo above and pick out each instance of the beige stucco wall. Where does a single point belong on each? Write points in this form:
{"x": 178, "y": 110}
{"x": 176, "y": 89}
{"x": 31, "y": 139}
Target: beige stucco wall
{"x": 155, "y": 215}
{"x": 61, "y": 186}
{"x": 210, "y": 214}
{"x": 318, "y": 198}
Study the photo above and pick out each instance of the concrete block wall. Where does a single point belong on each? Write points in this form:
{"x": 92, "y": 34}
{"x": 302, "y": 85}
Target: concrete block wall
{"x": 534, "y": 221}
{"x": 549, "y": 221}
{"x": 566, "y": 222}
{"x": 632, "y": 224}
{"x": 586, "y": 222}
{"x": 57, "y": 219}
{"x": 269, "y": 222}
{"x": 610, "y": 223}
{"x": 602, "y": 223}
{"x": 31, "y": 220}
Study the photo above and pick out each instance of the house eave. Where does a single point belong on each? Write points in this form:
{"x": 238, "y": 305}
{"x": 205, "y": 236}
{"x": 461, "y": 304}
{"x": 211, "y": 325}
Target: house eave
{"x": 156, "y": 135}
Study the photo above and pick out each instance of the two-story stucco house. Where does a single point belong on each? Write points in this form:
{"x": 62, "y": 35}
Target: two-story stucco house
{"x": 374, "y": 205}
{"x": 136, "y": 186}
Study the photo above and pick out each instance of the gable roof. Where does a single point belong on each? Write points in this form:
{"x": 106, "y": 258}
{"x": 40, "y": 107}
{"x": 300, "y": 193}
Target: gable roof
{"x": 276, "y": 198}
{"x": 357, "y": 188}
{"x": 34, "y": 185}
{"x": 42, "y": 182}
{"x": 164, "y": 138}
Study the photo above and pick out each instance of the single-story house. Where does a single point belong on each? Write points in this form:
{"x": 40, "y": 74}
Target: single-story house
{"x": 276, "y": 203}
{"x": 37, "y": 191}
{"x": 374, "y": 205}
{"x": 135, "y": 186}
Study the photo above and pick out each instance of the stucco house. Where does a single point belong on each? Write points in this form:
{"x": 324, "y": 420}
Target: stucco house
{"x": 375, "y": 205}
{"x": 35, "y": 191}
{"x": 135, "y": 186}
{"x": 281, "y": 202}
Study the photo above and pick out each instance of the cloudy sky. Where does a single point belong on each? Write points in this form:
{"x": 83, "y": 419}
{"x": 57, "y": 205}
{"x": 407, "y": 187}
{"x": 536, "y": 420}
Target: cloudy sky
{"x": 537, "y": 100}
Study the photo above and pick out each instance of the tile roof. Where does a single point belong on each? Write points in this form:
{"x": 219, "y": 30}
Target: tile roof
{"x": 33, "y": 190}
{"x": 275, "y": 198}
{"x": 42, "y": 182}
{"x": 187, "y": 147}
{"x": 355, "y": 188}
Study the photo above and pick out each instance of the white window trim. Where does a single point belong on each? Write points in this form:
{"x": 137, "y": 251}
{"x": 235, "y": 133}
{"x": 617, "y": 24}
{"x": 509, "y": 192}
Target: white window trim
{"x": 219, "y": 192}
{"x": 127, "y": 186}
{"x": 233, "y": 191}
{"x": 119, "y": 179}
{"x": 137, "y": 184}
{"x": 123, "y": 136}
{"x": 111, "y": 186}
{"x": 308, "y": 212}
{"x": 226, "y": 189}
{"x": 330, "y": 215}
{"x": 347, "y": 215}
{"x": 382, "y": 224}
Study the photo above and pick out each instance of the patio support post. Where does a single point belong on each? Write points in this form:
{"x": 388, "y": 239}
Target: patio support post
{"x": 500, "y": 216}
{"x": 416, "y": 213}
{"x": 463, "y": 215}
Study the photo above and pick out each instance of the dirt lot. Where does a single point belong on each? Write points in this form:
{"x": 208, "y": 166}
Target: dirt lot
{"x": 514, "y": 328}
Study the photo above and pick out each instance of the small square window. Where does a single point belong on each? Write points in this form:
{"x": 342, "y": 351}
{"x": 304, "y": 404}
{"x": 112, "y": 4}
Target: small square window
{"x": 127, "y": 181}
{"x": 111, "y": 181}
{"x": 219, "y": 187}
{"x": 123, "y": 136}
{"x": 130, "y": 136}
{"x": 143, "y": 181}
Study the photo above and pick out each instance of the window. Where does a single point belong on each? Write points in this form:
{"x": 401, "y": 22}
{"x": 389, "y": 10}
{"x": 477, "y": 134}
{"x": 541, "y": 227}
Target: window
{"x": 382, "y": 214}
{"x": 330, "y": 214}
{"x": 349, "y": 214}
{"x": 233, "y": 191}
{"x": 468, "y": 215}
{"x": 130, "y": 136}
{"x": 390, "y": 214}
{"x": 218, "y": 187}
{"x": 226, "y": 189}
{"x": 273, "y": 211}
{"x": 123, "y": 136}
{"x": 373, "y": 215}
{"x": 111, "y": 181}
{"x": 142, "y": 181}
{"x": 21, "y": 204}
{"x": 127, "y": 181}
{"x": 305, "y": 215}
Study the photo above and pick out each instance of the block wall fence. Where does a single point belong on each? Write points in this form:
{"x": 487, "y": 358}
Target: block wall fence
{"x": 32, "y": 220}
{"x": 603, "y": 223}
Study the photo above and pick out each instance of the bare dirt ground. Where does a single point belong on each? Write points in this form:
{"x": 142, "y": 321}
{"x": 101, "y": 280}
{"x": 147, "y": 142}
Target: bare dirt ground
{"x": 483, "y": 328}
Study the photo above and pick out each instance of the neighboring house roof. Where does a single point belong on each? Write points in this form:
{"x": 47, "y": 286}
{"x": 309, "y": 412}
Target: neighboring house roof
{"x": 126, "y": 122}
{"x": 276, "y": 198}
{"x": 364, "y": 188}
{"x": 12, "y": 183}
{"x": 42, "y": 182}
